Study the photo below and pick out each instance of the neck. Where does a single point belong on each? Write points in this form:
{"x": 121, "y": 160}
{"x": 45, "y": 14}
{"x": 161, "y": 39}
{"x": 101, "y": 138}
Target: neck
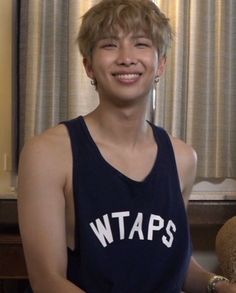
{"x": 126, "y": 127}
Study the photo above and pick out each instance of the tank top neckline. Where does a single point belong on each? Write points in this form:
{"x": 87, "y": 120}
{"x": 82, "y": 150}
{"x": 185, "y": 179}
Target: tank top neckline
{"x": 151, "y": 173}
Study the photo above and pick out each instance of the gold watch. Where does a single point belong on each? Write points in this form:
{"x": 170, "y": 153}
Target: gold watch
{"x": 211, "y": 288}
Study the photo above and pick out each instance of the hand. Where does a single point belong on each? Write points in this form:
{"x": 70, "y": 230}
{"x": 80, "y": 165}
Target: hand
{"x": 224, "y": 287}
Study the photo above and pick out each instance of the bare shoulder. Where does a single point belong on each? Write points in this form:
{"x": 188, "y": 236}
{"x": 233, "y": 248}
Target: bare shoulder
{"x": 48, "y": 153}
{"x": 48, "y": 145}
{"x": 184, "y": 151}
{"x": 186, "y": 160}
{"x": 48, "y": 140}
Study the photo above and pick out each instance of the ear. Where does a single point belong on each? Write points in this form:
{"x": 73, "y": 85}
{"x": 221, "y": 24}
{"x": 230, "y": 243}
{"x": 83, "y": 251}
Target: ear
{"x": 88, "y": 67}
{"x": 161, "y": 66}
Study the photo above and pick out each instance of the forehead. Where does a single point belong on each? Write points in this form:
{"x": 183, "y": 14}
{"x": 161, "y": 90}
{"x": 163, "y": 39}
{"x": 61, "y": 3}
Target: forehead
{"x": 121, "y": 34}
{"x": 118, "y": 33}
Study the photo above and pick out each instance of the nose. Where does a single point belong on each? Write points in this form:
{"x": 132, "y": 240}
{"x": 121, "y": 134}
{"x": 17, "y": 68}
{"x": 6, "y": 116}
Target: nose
{"x": 126, "y": 57}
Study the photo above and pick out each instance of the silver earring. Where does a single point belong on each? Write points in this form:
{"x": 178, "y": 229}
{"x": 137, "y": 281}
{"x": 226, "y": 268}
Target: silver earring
{"x": 93, "y": 82}
{"x": 156, "y": 79}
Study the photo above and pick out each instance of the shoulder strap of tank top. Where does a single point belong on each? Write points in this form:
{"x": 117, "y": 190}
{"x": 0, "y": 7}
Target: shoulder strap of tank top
{"x": 165, "y": 147}
{"x": 75, "y": 134}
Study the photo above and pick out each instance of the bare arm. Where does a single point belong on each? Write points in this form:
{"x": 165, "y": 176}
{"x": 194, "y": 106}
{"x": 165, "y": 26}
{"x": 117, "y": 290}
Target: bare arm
{"x": 41, "y": 208}
{"x": 197, "y": 277}
{"x": 197, "y": 280}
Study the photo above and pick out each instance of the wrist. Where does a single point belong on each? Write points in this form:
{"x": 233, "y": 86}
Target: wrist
{"x": 222, "y": 287}
{"x": 215, "y": 283}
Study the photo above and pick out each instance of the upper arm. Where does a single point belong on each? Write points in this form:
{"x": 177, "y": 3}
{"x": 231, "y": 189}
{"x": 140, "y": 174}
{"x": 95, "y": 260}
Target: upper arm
{"x": 186, "y": 160}
{"x": 189, "y": 174}
{"x": 41, "y": 209}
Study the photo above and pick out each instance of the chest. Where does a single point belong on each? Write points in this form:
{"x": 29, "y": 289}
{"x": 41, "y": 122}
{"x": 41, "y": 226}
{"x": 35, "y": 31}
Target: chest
{"x": 134, "y": 163}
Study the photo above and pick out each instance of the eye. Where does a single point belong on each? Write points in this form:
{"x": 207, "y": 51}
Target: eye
{"x": 109, "y": 45}
{"x": 143, "y": 43}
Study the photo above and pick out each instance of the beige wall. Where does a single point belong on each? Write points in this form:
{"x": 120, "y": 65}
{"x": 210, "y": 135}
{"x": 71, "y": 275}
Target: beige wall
{"x": 5, "y": 94}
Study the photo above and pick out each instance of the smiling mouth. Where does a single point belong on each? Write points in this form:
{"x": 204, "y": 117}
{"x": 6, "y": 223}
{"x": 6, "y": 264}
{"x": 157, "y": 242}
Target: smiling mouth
{"x": 127, "y": 77}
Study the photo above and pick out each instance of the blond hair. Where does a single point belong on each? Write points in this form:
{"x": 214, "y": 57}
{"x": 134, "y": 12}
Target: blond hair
{"x": 108, "y": 16}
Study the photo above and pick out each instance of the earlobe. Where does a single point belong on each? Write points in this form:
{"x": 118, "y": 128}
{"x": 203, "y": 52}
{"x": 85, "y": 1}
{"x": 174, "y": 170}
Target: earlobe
{"x": 88, "y": 68}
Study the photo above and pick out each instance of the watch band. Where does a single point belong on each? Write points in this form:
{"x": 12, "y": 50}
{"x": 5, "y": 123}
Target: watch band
{"x": 213, "y": 281}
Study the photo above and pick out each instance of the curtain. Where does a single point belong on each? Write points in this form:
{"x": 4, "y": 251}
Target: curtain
{"x": 53, "y": 84}
{"x": 195, "y": 99}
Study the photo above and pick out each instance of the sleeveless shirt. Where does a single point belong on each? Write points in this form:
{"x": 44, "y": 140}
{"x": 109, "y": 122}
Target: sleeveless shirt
{"x": 130, "y": 236}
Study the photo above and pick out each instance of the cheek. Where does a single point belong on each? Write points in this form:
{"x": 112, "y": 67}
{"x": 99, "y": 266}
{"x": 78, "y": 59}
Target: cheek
{"x": 152, "y": 62}
{"x": 101, "y": 64}
{"x": 153, "y": 67}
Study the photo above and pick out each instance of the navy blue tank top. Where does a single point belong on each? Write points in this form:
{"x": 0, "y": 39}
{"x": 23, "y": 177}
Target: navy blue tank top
{"x": 130, "y": 237}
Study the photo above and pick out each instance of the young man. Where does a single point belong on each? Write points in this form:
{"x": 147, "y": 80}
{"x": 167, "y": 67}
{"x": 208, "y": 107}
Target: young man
{"x": 102, "y": 198}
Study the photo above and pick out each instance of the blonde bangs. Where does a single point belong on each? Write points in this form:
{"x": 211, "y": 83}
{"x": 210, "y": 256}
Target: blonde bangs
{"x": 109, "y": 17}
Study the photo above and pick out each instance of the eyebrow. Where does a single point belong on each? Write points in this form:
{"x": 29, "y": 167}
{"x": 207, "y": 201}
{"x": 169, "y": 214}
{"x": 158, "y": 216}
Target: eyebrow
{"x": 140, "y": 36}
{"x": 117, "y": 38}
{"x": 108, "y": 37}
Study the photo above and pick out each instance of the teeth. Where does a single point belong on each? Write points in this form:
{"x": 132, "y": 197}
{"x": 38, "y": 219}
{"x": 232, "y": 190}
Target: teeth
{"x": 127, "y": 76}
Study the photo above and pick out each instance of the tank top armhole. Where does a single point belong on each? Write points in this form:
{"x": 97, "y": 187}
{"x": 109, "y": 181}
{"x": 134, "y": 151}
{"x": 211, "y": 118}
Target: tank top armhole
{"x": 72, "y": 129}
{"x": 163, "y": 139}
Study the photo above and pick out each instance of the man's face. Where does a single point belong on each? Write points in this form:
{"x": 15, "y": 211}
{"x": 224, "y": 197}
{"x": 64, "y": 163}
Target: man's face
{"x": 124, "y": 67}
